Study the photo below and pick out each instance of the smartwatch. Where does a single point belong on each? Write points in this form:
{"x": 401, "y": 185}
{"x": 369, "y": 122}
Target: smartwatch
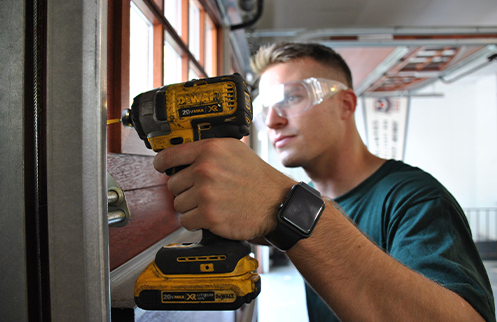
{"x": 297, "y": 216}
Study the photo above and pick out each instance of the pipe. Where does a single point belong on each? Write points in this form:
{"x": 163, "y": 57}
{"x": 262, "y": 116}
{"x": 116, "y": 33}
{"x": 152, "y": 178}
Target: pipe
{"x": 252, "y": 21}
{"x": 489, "y": 61}
{"x": 115, "y": 217}
{"x": 112, "y": 197}
{"x": 246, "y": 5}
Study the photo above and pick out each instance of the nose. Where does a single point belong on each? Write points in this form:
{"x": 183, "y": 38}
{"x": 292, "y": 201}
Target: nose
{"x": 274, "y": 120}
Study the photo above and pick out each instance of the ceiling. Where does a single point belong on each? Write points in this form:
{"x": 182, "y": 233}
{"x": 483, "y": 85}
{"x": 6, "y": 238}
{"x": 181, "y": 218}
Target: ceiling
{"x": 391, "y": 45}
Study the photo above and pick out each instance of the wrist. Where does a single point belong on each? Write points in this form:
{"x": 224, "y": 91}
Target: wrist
{"x": 297, "y": 216}
{"x": 276, "y": 197}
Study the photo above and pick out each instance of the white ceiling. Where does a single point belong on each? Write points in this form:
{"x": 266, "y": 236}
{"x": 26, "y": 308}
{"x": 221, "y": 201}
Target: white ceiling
{"x": 315, "y": 20}
{"x": 295, "y": 14}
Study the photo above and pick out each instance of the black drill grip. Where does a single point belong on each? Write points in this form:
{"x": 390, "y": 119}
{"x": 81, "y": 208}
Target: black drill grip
{"x": 208, "y": 237}
{"x": 175, "y": 170}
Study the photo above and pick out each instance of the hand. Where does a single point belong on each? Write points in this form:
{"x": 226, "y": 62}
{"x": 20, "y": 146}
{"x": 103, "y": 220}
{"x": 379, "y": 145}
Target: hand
{"x": 227, "y": 188}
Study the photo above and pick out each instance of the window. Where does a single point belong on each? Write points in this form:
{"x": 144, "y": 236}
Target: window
{"x": 179, "y": 40}
{"x": 209, "y": 41}
{"x": 172, "y": 11}
{"x": 140, "y": 53}
{"x": 194, "y": 30}
{"x": 192, "y": 72}
{"x": 172, "y": 62}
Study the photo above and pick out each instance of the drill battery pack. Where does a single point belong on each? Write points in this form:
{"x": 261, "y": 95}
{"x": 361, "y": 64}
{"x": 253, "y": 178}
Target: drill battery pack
{"x": 213, "y": 274}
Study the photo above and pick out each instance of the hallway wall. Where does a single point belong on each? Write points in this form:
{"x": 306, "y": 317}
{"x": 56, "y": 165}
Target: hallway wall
{"x": 455, "y": 138}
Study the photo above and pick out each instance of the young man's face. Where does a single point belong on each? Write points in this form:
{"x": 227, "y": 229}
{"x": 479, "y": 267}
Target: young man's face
{"x": 303, "y": 139}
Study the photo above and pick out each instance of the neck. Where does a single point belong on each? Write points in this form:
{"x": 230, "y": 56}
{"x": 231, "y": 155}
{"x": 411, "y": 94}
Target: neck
{"x": 337, "y": 173}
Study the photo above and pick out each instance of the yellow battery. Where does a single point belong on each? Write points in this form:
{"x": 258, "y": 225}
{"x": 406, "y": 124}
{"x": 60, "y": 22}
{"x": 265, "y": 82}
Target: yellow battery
{"x": 226, "y": 291}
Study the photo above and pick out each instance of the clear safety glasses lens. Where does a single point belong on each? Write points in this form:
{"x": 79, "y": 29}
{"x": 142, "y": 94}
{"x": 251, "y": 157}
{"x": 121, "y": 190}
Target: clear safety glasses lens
{"x": 292, "y": 98}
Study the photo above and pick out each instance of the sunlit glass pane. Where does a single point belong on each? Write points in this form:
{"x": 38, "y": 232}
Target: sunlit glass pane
{"x": 172, "y": 12}
{"x": 172, "y": 63}
{"x": 209, "y": 43}
{"x": 192, "y": 74}
{"x": 141, "y": 53}
{"x": 194, "y": 30}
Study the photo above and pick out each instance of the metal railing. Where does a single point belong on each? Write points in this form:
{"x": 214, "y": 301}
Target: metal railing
{"x": 483, "y": 223}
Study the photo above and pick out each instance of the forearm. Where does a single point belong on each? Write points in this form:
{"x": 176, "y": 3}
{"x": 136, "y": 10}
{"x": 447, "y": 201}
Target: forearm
{"x": 362, "y": 283}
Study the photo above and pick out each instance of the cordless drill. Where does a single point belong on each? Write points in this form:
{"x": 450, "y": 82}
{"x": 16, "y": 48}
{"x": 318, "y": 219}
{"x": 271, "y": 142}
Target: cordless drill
{"x": 214, "y": 273}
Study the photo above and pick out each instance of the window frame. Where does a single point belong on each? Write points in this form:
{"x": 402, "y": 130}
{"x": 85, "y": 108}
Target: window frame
{"x": 119, "y": 57}
{"x": 154, "y": 11}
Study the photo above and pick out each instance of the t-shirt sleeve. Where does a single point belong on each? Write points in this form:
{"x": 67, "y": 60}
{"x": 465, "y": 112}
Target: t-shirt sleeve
{"x": 432, "y": 237}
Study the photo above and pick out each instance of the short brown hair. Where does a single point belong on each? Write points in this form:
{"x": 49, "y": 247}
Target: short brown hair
{"x": 285, "y": 52}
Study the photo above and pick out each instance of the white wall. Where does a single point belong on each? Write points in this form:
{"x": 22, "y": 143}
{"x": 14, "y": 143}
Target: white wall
{"x": 453, "y": 137}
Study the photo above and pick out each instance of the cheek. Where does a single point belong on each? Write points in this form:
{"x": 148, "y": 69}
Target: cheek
{"x": 324, "y": 130}
{"x": 316, "y": 127}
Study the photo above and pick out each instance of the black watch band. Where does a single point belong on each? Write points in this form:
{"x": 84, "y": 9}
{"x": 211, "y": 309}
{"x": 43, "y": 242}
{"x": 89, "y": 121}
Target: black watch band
{"x": 297, "y": 217}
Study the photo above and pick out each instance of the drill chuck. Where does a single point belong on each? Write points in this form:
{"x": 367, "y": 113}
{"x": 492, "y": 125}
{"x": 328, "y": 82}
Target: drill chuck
{"x": 126, "y": 118}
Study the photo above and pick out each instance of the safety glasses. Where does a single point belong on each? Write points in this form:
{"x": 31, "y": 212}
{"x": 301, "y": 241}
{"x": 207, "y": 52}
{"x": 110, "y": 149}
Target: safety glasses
{"x": 292, "y": 98}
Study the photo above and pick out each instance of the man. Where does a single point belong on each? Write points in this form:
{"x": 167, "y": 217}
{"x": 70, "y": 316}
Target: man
{"x": 400, "y": 250}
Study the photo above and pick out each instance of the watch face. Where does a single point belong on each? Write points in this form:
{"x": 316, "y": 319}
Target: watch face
{"x": 303, "y": 209}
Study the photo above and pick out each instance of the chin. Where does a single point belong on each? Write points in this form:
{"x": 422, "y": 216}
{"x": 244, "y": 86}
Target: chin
{"x": 289, "y": 162}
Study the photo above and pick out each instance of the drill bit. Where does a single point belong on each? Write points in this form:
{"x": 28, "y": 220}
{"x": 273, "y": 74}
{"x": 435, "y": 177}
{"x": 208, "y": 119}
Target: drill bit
{"x": 113, "y": 121}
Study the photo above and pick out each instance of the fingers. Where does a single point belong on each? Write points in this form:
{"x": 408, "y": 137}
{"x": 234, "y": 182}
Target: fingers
{"x": 175, "y": 156}
{"x": 187, "y": 222}
{"x": 180, "y": 182}
{"x": 185, "y": 201}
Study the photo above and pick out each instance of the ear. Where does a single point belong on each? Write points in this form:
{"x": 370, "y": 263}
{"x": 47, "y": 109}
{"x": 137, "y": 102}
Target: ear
{"x": 349, "y": 103}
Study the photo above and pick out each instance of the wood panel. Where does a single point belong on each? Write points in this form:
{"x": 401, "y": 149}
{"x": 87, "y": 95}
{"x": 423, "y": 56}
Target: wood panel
{"x": 134, "y": 171}
{"x": 150, "y": 203}
{"x": 117, "y": 69}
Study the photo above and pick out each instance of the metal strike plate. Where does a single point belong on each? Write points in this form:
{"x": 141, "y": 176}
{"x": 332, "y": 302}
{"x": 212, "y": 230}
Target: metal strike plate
{"x": 118, "y": 213}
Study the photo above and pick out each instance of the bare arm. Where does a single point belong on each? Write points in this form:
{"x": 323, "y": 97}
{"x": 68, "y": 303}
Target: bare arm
{"x": 362, "y": 283}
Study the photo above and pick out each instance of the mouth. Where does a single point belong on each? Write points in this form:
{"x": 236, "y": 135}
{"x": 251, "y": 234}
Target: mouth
{"x": 282, "y": 140}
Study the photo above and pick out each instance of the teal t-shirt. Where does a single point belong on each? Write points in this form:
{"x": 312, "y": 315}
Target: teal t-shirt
{"x": 412, "y": 217}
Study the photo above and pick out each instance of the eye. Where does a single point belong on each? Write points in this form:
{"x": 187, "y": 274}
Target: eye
{"x": 292, "y": 98}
